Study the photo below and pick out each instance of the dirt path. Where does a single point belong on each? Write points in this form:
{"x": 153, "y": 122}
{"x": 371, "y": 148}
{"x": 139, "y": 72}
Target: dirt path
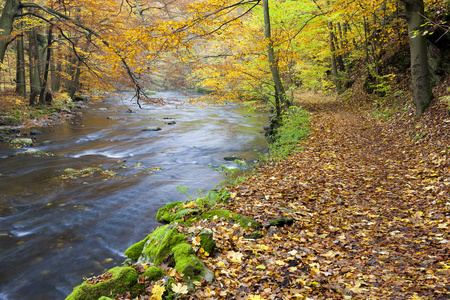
{"x": 370, "y": 202}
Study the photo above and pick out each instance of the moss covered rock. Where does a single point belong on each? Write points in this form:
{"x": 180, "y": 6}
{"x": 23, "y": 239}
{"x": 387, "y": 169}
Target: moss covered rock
{"x": 159, "y": 244}
{"x": 281, "y": 221}
{"x": 231, "y": 216}
{"x": 206, "y": 240}
{"x": 117, "y": 281}
{"x": 187, "y": 263}
{"x": 166, "y": 244}
{"x": 135, "y": 250}
{"x": 168, "y": 212}
{"x": 153, "y": 273}
{"x": 33, "y": 153}
{"x": 22, "y": 142}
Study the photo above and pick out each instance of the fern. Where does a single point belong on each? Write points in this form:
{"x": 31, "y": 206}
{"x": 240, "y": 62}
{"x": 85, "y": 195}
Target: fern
{"x": 184, "y": 212}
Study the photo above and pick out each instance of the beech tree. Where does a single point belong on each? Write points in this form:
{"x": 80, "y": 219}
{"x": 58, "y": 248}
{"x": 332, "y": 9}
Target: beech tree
{"x": 420, "y": 79}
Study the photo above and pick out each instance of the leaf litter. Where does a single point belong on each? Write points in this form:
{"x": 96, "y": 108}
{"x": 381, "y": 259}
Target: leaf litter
{"x": 368, "y": 212}
{"x": 371, "y": 212}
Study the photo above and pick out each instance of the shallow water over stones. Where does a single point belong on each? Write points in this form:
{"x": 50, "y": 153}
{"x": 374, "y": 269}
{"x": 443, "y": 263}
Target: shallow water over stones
{"x": 54, "y": 231}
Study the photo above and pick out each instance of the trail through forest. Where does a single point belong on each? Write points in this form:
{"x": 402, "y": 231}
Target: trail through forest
{"x": 370, "y": 206}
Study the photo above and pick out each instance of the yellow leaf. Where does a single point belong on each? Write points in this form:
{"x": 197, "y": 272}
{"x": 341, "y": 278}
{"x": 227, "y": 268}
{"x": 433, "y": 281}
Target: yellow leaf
{"x": 157, "y": 292}
{"x": 280, "y": 262}
{"x": 221, "y": 264}
{"x": 255, "y": 297}
{"x": 179, "y": 288}
{"x": 235, "y": 256}
{"x": 196, "y": 241}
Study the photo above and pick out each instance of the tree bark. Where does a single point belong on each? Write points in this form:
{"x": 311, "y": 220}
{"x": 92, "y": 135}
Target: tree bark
{"x": 420, "y": 79}
{"x": 20, "y": 67}
{"x": 42, "y": 96}
{"x": 281, "y": 101}
{"x": 9, "y": 12}
{"x": 33, "y": 54}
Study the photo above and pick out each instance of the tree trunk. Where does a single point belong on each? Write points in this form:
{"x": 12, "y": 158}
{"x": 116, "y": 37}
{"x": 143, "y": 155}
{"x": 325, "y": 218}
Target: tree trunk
{"x": 75, "y": 81}
{"x": 281, "y": 101}
{"x": 20, "y": 67}
{"x": 34, "y": 67}
{"x": 420, "y": 79}
{"x": 42, "y": 96}
{"x": 9, "y": 12}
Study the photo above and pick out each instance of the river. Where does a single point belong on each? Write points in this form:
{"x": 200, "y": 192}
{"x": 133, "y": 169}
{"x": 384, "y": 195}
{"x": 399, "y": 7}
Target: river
{"x": 55, "y": 231}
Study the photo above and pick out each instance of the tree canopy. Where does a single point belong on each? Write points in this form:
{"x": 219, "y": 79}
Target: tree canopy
{"x": 218, "y": 46}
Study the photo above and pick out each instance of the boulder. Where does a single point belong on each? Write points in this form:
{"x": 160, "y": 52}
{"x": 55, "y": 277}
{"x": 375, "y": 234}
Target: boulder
{"x": 35, "y": 132}
{"x": 166, "y": 244}
{"x": 22, "y": 142}
{"x": 168, "y": 212}
{"x": 33, "y": 153}
{"x": 232, "y": 158}
{"x": 115, "y": 281}
{"x": 206, "y": 240}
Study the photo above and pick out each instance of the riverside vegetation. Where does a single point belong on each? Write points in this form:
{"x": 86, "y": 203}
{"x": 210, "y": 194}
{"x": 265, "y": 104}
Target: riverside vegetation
{"x": 360, "y": 211}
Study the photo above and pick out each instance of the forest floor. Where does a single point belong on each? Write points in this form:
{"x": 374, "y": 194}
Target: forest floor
{"x": 370, "y": 204}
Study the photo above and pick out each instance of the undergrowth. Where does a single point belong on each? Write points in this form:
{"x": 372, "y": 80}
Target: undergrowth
{"x": 294, "y": 129}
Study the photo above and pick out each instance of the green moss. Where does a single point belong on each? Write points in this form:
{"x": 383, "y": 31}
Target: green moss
{"x": 135, "y": 250}
{"x": 231, "y": 216}
{"x": 167, "y": 243}
{"x": 168, "y": 212}
{"x": 254, "y": 236}
{"x": 33, "y": 153}
{"x": 123, "y": 279}
{"x": 22, "y": 142}
{"x": 159, "y": 244}
{"x": 207, "y": 241}
{"x": 281, "y": 221}
{"x": 105, "y": 298}
{"x": 187, "y": 263}
{"x": 153, "y": 273}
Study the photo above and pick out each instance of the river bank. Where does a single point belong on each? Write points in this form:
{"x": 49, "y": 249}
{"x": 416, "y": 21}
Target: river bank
{"x": 19, "y": 120}
{"x": 58, "y": 227}
{"x": 366, "y": 215}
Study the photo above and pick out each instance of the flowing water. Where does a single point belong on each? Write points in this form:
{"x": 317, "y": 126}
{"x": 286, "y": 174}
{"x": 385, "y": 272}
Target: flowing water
{"x": 55, "y": 231}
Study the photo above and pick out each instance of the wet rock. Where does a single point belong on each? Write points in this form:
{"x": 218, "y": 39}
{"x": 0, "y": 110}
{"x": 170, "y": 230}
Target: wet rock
{"x": 232, "y": 158}
{"x": 32, "y": 153}
{"x": 46, "y": 143}
{"x": 171, "y": 123}
{"x": 35, "y": 132}
{"x": 151, "y": 128}
{"x": 22, "y": 142}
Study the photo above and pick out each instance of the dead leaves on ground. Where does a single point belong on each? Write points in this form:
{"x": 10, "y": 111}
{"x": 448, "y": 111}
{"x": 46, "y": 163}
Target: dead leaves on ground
{"x": 371, "y": 211}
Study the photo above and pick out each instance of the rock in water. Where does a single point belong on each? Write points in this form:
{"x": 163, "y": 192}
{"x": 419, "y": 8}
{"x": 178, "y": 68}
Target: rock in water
{"x": 22, "y": 142}
{"x": 151, "y": 128}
